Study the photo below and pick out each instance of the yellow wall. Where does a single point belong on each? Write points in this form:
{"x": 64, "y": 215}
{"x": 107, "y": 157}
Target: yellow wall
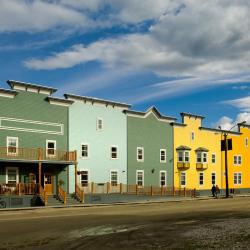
{"x": 239, "y": 148}
{"x": 203, "y": 138}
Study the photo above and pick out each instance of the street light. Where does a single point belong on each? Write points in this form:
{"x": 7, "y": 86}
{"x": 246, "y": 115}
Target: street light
{"x": 225, "y": 134}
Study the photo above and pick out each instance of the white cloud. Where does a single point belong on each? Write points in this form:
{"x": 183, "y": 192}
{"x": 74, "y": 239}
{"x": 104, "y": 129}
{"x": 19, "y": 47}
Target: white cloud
{"x": 240, "y": 103}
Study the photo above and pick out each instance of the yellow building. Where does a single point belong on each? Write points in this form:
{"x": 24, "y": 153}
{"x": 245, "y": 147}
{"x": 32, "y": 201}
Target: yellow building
{"x": 197, "y": 154}
{"x": 239, "y": 160}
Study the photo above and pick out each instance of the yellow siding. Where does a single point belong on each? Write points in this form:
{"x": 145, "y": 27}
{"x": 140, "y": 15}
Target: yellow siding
{"x": 203, "y": 138}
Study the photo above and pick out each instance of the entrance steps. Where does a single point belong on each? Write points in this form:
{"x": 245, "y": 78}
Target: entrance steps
{"x": 53, "y": 200}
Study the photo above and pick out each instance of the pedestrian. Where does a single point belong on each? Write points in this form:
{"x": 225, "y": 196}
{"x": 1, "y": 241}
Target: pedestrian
{"x": 213, "y": 190}
{"x": 217, "y": 192}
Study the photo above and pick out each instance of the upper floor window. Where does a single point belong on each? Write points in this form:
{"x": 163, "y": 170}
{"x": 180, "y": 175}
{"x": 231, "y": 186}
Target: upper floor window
{"x": 246, "y": 142}
{"x": 113, "y": 178}
{"x": 183, "y": 156}
{"x": 237, "y": 159}
{"x": 162, "y": 155}
{"x": 140, "y": 154}
{"x": 99, "y": 124}
{"x": 85, "y": 150}
{"x": 113, "y": 152}
{"x": 201, "y": 157}
{"x": 50, "y": 148}
{"x": 213, "y": 158}
{"x": 192, "y": 136}
{"x": 12, "y": 145}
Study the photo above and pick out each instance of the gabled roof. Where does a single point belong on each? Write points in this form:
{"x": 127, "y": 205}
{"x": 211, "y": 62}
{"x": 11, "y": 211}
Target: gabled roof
{"x": 13, "y": 83}
{"x": 191, "y": 115}
{"x": 153, "y": 110}
{"x": 201, "y": 149}
{"x": 95, "y": 100}
{"x": 183, "y": 148}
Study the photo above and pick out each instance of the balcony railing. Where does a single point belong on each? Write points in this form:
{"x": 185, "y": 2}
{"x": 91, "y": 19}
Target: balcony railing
{"x": 31, "y": 154}
{"x": 201, "y": 165}
{"x": 183, "y": 165}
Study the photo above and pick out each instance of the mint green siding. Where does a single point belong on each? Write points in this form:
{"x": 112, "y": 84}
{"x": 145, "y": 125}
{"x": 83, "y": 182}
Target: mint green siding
{"x": 153, "y": 135}
{"x": 83, "y": 129}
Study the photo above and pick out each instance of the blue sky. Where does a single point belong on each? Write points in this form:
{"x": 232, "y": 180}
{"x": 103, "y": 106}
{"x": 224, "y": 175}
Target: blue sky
{"x": 191, "y": 56}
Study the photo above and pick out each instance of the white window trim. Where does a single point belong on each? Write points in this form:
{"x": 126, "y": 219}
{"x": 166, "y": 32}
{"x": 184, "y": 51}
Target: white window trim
{"x": 183, "y": 155}
{"x": 237, "y": 178}
{"x": 50, "y": 155}
{"x": 17, "y": 174}
{"x": 201, "y": 185}
{"x": 114, "y": 170}
{"x": 237, "y": 164}
{"x": 97, "y": 124}
{"x": 185, "y": 179}
{"x": 211, "y": 178}
{"x": 7, "y": 145}
{"x": 202, "y": 157}
{"x": 140, "y": 171}
{"x": 165, "y": 153}
{"x": 140, "y": 160}
{"x": 83, "y": 157}
{"x": 87, "y": 170}
{"x": 163, "y": 171}
{"x": 114, "y": 146}
{"x": 212, "y": 158}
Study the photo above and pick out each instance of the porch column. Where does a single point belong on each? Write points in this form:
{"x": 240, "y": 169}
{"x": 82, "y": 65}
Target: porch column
{"x": 75, "y": 170}
{"x": 40, "y": 169}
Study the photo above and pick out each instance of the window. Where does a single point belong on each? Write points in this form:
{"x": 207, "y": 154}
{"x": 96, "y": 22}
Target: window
{"x": 12, "y": 145}
{"x": 113, "y": 152}
{"x": 140, "y": 154}
{"x": 183, "y": 179}
{"x": 192, "y": 136}
{"x": 237, "y": 178}
{"x": 213, "y": 158}
{"x": 12, "y": 175}
{"x": 84, "y": 178}
{"x": 213, "y": 178}
{"x": 50, "y": 148}
{"x": 246, "y": 142}
{"x": 85, "y": 150}
{"x": 183, "y": 156}
{"x": 201, "y": 178}
{"x": 237, "y": 159}
{"x": 163, "y": 178}
{"x": 99, "y": 124}
{"x": 162, "y": 155}
{"x": 201, "y": 157}
{"x": 114, "y": 178}
{"x": 140, "y": 178}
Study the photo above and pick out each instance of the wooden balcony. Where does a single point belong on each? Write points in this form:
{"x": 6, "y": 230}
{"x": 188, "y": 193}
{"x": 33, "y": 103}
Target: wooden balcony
{"x": 36, "y": 155}
{"x": 183, "y": 165}
{"x": 201, "y": 166}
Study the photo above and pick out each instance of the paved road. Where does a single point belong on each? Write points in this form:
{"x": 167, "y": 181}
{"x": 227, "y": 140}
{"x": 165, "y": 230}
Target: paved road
{"x": 198, "y": 224}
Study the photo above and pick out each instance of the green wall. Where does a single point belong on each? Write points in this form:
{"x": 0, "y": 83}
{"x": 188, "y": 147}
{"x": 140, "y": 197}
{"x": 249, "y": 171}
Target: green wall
{"x": 153, "y": 135}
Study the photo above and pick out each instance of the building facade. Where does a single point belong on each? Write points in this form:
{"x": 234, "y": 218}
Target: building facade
{"x": 33, "y": 139}
{"x": 98, "y": 132}
{"x": 150, "y": 148}
{"x": 197, "y": 155}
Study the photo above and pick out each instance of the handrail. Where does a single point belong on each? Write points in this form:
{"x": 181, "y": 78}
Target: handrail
{"x": 36, "y": 154}
{"x": 80, "y": 194}
{"x": 62, "y": 194}
{"x": 43, "y": 195}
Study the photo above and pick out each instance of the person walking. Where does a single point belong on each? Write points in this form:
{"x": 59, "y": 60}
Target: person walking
{"x": 217, "y": 192}
{"x": 213, "y": 190}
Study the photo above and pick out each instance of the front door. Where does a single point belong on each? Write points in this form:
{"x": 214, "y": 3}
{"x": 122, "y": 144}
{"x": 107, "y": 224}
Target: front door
{"x": 48, "y": 183}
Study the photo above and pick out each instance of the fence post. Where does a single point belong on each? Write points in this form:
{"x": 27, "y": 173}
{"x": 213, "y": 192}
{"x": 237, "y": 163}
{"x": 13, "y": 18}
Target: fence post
{"x": 92, "y": 187}
{"x": 107, "y": 187}
{"x": 19, "y": 189}
{"x": 151, "y": 190}
{"x": 136, "y": 189}
{"x": 173, "y": 191}
{"x": 120, "y": 188}
{"x": 184, "y": 192}
{"x": 161, "y": 190}
{"x": 194, "y": 192}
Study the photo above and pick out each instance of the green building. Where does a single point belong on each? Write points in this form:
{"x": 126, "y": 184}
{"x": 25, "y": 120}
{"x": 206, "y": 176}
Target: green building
{"x": 150, "y": 148}
{"x": 34, "y": 154}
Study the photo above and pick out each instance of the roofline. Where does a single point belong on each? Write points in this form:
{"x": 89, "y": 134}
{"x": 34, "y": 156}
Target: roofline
{"x": 243, "y": 125}
{"x": 60, "y": 100}
{"x": 192, "y": 115}
{"x": 92, "y": 99}
{"x": 12, "y": 82}
{"x": 140, "y": 113}
{"x": 220, "y": 130}
{"x": 8, "y": 91}
{"x": 178, "y": 124}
